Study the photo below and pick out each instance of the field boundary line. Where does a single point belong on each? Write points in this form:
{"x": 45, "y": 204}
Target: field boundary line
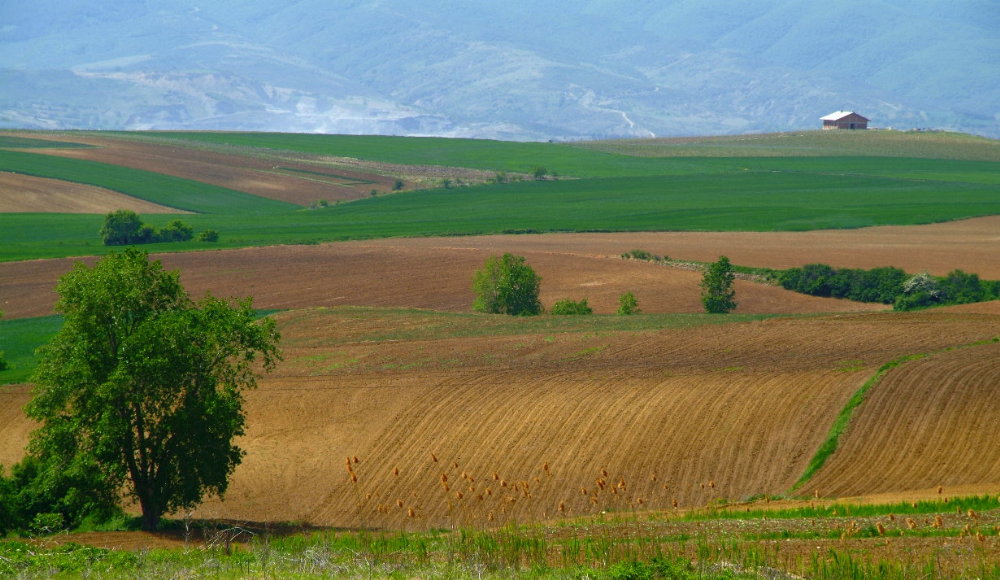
{"x": 843, "y": 420}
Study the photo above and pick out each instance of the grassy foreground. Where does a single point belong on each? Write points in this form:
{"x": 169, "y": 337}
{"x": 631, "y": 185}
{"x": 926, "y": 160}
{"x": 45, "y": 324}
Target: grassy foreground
{"x": 948, "y": 538}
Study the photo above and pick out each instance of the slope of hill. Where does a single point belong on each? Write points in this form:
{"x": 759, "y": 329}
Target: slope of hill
{"x": 468, "y": 425}
{"x": 487, "y": 69}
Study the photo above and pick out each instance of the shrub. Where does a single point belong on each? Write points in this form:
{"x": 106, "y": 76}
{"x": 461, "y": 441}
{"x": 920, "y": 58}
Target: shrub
{"x": 717, "y": 292}
{"x": 567, "y": 306}
{"x": 627, "y": 304}
{"x": 506, "y": 285}
{"x": 208, "y": 236}
{"x": 175, "y": 231}
{"x": 961, "y": 288}
{"x": 643, "y": 255}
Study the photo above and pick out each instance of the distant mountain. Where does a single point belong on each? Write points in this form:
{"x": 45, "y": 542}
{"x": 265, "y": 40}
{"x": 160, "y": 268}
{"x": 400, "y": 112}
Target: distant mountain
{"x": 513, "y": 69}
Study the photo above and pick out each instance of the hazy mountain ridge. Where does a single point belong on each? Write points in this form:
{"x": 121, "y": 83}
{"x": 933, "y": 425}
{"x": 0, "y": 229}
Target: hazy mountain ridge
{"x": 602, "y": 68}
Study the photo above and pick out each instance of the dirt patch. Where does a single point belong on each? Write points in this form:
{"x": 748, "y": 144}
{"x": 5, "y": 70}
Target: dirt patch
{"x": 26, "y": 193}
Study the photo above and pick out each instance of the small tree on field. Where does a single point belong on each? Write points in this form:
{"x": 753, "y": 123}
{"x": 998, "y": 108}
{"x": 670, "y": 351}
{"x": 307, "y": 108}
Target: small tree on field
{"x": 507, "y": 285}
{"x": 142, "y": 388}
{"x": 627, "y": 304}
{"x": 717, "y": 287}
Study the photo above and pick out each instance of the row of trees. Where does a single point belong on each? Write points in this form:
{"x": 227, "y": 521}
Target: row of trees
{"x": 508, "y": 285}
{"x": 889, "y": 286}
{"x": 124, "y": 228}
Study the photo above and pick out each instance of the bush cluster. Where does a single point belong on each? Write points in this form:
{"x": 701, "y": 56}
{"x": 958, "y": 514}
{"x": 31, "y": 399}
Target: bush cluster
{"x": 124, "y": 227}
{"x": 875, "y": 285}
{"x": 643, "y": 255}
{"x": 889, "y": 286}
{"x": 570, "y": 307}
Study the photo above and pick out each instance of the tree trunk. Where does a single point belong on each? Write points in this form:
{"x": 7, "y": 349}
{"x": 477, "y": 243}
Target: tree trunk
{"x": 150, "y": 516}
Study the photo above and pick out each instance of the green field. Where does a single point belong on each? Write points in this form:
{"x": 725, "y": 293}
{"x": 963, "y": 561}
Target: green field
{"x": 18, "y": 340}
{"x": 607, "y": 186}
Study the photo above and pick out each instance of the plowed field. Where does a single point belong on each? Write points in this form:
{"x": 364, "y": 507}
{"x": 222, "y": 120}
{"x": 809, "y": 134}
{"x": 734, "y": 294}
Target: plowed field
{"x": 688, "y": 414}
{"x": 432, "y": 273}
{"x": 930, "y": 422}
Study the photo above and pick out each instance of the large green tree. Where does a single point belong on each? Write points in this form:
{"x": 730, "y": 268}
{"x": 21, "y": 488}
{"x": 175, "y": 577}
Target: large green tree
{"x": 718, "y": 294}
{"x": 145, "y": 386}
{"x": 507, "y": 285}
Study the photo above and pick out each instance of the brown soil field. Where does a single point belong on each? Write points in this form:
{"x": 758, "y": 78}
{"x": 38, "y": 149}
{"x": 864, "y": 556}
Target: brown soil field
{"x": 26, "y": 193}
{"x": 291, "y": 177}
{"x": 938, "y": 413}
{"x": 517, "y": 425}
{"x": 691, "y": 415}
{"x": 970, "y": 245}
{"x": 511, "y": 426}
{"x": 434, "y": 273}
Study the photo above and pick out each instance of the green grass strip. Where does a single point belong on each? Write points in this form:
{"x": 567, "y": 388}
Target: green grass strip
{"x": 829, "y": 446}
{"x": 979, "y": 503}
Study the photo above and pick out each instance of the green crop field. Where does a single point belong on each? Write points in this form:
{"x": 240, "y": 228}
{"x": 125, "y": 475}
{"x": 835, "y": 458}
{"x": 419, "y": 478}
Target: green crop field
{"x": 612, "y": 189}
{"x": 18, "y": 340}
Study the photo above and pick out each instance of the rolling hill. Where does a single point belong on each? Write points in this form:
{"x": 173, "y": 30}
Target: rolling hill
{"x": 447, "y": 418}
{"x": 514, "y": 70}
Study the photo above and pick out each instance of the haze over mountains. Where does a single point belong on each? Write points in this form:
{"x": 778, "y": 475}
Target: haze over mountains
{"x": 515, "y": 69}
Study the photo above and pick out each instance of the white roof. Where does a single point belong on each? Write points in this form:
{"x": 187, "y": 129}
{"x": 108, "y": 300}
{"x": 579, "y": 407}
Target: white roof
{"x": 837, "y": 115}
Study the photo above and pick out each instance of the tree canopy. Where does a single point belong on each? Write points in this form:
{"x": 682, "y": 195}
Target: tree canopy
{"x": 717, "y": 292}
{"x": 507, "y": 285}
{"x": 143, "y": 387}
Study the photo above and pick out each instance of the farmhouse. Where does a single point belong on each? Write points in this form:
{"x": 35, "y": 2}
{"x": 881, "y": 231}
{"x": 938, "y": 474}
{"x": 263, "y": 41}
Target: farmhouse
{"x": 844, "y": 120}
